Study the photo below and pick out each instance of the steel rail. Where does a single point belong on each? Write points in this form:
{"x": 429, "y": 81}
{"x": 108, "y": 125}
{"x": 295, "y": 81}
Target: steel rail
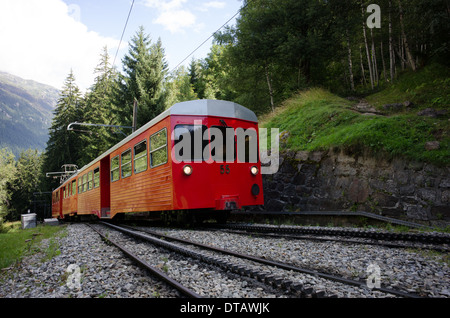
{"x": 339, "y": 213}
{"x": 439, "y": 238}
{"x": 185, "y": 291}
{"x": 362, "y": 240}
{"x": 284, "y": 265}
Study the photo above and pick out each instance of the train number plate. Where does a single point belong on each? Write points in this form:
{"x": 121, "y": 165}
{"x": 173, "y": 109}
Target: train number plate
{"x": 224, "y": 169}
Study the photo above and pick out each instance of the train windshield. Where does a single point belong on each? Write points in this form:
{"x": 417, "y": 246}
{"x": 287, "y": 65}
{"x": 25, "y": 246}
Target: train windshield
{"x": 189, "y": 143}
{"x": 216, "y": 144}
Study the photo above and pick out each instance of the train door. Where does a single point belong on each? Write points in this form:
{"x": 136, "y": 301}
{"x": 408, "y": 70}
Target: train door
{"x": 61, "y": 198}
{"x": 105, "y": 187}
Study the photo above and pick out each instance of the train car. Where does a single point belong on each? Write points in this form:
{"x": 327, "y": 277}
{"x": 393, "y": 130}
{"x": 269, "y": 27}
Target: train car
{"x": 200, "y": 157}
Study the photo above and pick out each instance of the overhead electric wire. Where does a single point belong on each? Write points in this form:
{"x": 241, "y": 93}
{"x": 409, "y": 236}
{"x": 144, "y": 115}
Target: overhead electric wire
{"x": 123, "y": 32}
{"x": 209, "y": 37}
{"x": 128, "y": 17}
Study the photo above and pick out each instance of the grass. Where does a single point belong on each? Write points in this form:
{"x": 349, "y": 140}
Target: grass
{"x": 17, "y": 243}
{"x": 429, "y": 87}
{"x": 319, "y": 120}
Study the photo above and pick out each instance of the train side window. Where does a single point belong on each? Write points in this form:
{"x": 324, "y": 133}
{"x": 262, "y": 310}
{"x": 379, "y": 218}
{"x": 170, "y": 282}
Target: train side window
{"x": 74, "y": 187}
{"x": 158, "y": 148}
{"x": 90, "y": 180}
{"x": 79, "y": 186}
{"x": 96, "y": 177}
{"x": 184, "y": 142}
{"x": 64, "y": 192}
{"x": 85, "y": 183}
{"x": 140, "y": 157}
{"x": 115, "y": 169}
{"x": 126, "y": 163}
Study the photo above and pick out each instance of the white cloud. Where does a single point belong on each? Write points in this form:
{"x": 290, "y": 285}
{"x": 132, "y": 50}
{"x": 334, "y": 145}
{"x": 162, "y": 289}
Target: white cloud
{"x": 43, "y": 40}
{"x": 172, "y": 14}
{"x": 176, "y": 20}
{"x": 215, "y": 4}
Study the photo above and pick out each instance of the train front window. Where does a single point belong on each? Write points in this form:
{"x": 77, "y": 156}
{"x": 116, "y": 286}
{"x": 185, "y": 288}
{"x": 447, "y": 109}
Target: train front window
{"x": 189, "y": 143}
{"x": 223, "y": 144}
{"x": 247, "y": 145}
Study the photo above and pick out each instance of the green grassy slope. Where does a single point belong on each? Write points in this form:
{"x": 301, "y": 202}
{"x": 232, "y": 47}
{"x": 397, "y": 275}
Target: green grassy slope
{"x": 319, "y": 120}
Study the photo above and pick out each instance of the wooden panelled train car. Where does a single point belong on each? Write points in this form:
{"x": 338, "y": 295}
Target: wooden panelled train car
{"x": 198, "y": 157}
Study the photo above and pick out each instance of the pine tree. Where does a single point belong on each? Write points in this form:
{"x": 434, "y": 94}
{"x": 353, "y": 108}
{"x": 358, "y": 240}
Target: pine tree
{"x": 26, "y": 182}
{"x": 179, "y": 88}
{"x": 99, "y": 106}
{"x": 63, "y": 146}
{"x": 7, "y": 173}
{"x": 145, "y": 70}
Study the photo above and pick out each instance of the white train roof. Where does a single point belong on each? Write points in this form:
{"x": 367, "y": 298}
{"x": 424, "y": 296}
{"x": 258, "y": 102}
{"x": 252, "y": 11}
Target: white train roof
{"x": 200, "y": 107}
{"x": 209, "y": 107}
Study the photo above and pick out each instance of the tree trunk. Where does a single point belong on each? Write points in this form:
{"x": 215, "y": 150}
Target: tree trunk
{"x": 269, "y": 84}
{"x": 362, "y": 66}
{"x": 405, "y": 41}
{"x": 367, "y": 47}
{"x": 374, "y": 59}
{"x": 402, "y": 52}
{"x": 391, "y": 49}
{"x": 352, "y": 84}
{"x": 382, "y": 60}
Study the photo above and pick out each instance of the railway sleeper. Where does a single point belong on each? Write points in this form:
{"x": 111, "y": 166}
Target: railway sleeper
{"x": 265, "y": 277}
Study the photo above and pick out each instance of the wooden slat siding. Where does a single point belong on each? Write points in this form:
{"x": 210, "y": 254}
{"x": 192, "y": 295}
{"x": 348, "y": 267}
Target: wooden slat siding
{"x": 55, "y": 209}
{"x": 89, "y": 201}
{"x": 69, "y": 203}
{"x": 143, "y": 192}
{"x": 149, "y": 190}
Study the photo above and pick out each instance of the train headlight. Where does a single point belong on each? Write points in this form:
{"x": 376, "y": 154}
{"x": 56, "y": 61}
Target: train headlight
{"x": 187, "y": 169}
{"x": 254, "y": 170}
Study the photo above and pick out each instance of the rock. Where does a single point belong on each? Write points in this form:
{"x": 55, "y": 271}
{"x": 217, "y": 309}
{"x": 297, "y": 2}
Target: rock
{"x": 432, "y": 145}
{"x": 302, "y": 155}
{"x": 408, "y": 104}
{"x": 430, "y": 112}
{"x": 394, "y": 107}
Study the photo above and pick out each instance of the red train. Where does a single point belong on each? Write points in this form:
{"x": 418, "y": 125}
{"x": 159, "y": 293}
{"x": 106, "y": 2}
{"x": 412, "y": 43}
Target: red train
{"x": 200, "y": 157}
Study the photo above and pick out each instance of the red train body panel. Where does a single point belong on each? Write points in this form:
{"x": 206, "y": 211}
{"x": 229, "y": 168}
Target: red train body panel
{"x": 147, "y": 171}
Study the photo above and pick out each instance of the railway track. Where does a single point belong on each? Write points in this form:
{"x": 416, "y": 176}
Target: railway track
{"x": 426, "y": 240}
{"x": 197, "y": 262}
{"x": 153, "y": 270}
{"x": 287, "y": 279}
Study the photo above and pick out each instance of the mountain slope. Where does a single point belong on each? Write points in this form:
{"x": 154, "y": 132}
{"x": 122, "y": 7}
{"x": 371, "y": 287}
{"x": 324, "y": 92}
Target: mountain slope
{"x": 26, "y": 112}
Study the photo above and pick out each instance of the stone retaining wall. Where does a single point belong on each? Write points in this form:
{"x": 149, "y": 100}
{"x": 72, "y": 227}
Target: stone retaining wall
{"x": 329, "y": 181}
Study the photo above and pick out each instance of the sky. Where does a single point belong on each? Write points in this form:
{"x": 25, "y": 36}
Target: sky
{"x": 43, "y": 40}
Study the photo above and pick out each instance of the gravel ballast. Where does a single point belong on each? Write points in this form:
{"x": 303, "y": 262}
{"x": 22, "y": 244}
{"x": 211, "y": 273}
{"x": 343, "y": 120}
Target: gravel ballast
{"x": 104, "y": 272}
